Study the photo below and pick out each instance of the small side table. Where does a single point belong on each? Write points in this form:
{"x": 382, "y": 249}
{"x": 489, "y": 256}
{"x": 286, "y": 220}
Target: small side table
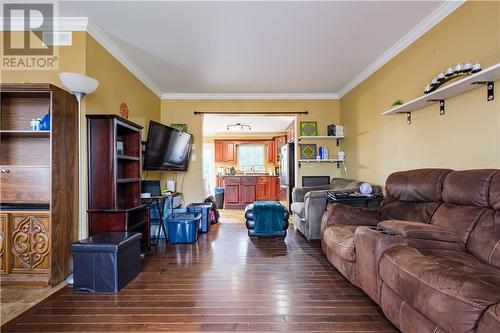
{"x": 160, "y": 203}
{"x": 372, "y": 201}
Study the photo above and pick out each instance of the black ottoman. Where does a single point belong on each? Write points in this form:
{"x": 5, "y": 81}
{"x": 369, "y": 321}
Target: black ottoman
{"x": 106, "y": 262}
{"x": 251, "y": 224}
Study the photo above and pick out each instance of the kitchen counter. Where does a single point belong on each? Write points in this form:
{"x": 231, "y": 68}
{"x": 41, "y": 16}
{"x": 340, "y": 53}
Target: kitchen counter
{"x": 241, "y": 190}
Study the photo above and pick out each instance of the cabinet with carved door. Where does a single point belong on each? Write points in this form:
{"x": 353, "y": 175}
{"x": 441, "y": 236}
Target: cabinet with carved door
{"x": 28, "y": 245}
{"x": 3, "y": 242}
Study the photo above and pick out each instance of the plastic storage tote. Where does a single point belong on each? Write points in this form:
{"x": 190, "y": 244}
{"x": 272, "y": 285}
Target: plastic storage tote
{"x": 182, "y": 226}
{"x": 203, "y": 209}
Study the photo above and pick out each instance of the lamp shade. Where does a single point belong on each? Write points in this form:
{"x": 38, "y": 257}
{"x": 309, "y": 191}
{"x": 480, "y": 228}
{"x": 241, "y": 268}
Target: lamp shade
{"x": 78, "y": 83}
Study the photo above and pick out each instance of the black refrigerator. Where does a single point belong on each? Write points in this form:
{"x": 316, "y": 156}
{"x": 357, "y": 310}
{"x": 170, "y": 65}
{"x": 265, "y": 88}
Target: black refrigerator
{"x": 287, "y": 170}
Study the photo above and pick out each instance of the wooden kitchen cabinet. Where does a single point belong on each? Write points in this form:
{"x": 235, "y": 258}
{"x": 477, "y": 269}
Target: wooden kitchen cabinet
{"x": 231, "y": 195}
{"x": 279, "y": 142}
{"x": 219, "y": 147}
{"x": 229, "y": 152}
{"x": 248, "y": 193}
{"x": 225, "y": 151}
{"x": 270, "y": 152}
{"x": 262, "y": 188}
{"x": 243, "y": 190}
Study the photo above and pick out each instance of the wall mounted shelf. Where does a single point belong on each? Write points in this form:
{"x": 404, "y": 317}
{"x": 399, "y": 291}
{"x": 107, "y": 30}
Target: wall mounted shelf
{"x": 329, "y": 160}
{"x": 320, "y": 137}
{"x": 485, "y": 77}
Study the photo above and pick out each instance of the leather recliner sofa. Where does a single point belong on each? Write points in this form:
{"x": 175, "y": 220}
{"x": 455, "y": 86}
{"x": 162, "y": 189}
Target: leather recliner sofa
{"x": 430, "y": 256}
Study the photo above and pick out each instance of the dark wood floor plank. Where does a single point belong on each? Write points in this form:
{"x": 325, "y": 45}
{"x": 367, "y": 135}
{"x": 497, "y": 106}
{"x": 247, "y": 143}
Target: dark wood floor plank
{"x": 223, "y": 283}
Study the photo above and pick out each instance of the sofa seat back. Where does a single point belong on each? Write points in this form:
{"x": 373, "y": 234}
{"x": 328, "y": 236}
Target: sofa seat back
{"x": 470, "y": 208}
{"x": 413, "y": 195}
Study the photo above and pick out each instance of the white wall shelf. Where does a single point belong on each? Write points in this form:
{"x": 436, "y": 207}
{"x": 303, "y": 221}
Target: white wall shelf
{"x": 487, "y": 76}
{"x": 320, "y": 137}
{"x": 328, "y": 160}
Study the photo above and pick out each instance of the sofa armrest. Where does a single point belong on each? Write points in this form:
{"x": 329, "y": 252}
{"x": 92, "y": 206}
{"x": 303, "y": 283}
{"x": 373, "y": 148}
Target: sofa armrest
{"x": 418, "y": 230}
{"x": 299, "y": 193}
{"x": 338, "y": 213}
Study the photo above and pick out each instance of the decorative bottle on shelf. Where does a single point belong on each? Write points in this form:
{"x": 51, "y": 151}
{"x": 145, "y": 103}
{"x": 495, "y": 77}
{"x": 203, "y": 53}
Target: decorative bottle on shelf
{"x": 45, "y": 122}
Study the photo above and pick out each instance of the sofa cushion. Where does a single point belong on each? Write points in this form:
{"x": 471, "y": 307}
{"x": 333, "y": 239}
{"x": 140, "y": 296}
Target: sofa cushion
{"x": 494, "y": 198}
{"x": 451, "y": 288}
{"x": 490, "y": 322}
{"x": 458, "y": 218}
{"x": 393, "y": 209}
{"x": 484, "y": 240}
{"x": 299, "y": 208}
{"x": 468, "y": 187}
{"x": 340, "y": 238}
{"x": 416, "y": 185}
{"x": 419, "y": 230}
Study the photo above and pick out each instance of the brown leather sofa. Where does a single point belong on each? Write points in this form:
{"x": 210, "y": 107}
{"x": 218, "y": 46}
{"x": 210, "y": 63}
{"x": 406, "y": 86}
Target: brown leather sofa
{"x": 430, "y": 256}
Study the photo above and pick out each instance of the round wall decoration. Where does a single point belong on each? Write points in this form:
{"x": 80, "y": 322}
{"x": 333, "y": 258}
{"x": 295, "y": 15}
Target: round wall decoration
{"x": 124, "y": 110}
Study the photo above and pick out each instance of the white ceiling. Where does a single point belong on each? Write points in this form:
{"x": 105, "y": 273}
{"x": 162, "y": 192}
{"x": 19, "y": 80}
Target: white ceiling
{"x": 256, "y": 46}
{"x": 215, "y": 125}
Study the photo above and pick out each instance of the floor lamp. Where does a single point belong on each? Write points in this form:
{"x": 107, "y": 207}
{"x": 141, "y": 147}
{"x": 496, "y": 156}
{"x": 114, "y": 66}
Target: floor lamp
{"x": 79, "y": 85}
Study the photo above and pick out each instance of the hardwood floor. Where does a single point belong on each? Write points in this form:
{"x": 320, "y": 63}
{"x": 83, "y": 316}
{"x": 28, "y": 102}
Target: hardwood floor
{"x": 224, "y": 282}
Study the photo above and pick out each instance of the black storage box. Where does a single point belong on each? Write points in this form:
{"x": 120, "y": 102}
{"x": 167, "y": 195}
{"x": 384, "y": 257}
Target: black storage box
{"x": 106, "y": 262}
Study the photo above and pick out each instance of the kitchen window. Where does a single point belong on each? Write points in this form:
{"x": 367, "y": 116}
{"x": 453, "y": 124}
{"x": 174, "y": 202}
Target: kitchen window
{"x": 251, "y": 157}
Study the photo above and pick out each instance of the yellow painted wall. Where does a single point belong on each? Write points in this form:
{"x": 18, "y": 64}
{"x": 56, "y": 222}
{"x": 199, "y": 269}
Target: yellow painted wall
{"x": 467, "y": 136}
{"x": 71, "y": 59}
{"x": 117, "y": 85}
{"x": 181, "y": 111}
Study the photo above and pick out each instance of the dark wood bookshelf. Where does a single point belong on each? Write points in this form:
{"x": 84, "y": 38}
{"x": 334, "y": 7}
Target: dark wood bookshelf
{"x": 115, "y": 179}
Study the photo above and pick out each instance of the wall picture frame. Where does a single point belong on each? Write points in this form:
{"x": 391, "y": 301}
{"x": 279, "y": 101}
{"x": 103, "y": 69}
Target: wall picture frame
{"x": 308, "y": 128}
{"x": 308, "y": 151}
{"x": 180, "y": 127}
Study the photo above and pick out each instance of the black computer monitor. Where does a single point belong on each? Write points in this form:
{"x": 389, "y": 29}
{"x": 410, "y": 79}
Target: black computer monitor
{"x": 151, "y": 186}
{"x": 308, "y": 181}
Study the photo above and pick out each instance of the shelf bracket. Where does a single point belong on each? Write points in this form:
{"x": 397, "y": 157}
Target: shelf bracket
{"x": 490, "y": 89}
{"x": 338, "y": 165}
{"x": 408, "y": 118}
{"x": 338, "y": 142}
{"x": 441, "y": 107}
{"x": 442, "y": 110}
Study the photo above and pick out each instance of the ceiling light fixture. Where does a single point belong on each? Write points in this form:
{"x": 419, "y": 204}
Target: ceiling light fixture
{"x": 238, "y": 127}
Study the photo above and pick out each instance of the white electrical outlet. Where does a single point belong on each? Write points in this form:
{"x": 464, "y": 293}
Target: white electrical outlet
{"x": 193, "y": 157}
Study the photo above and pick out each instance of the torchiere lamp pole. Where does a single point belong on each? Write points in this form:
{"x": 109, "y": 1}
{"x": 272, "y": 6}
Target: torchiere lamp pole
{"x": 80, "y": 86}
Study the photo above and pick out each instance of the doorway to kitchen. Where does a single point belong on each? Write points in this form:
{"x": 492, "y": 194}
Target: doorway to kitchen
{"x": 248, "y": 158}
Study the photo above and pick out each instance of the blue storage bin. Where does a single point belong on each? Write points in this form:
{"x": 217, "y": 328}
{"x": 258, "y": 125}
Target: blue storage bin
{"x": 182, "y": 227}
{"x": 203, "y": 209}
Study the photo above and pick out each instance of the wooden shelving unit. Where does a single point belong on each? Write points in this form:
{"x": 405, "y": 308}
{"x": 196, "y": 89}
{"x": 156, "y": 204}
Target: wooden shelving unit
{"x": 485, "y": 77}
{"x": 115, "y": 179}
{"x": 39, "y": 184}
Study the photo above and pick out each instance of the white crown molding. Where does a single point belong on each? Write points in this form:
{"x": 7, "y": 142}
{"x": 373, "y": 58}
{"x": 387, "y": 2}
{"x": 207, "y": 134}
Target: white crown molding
{"x": 106, "y": 42}
{"x": 249, "y": 96}
{"x": 425, "y": 25}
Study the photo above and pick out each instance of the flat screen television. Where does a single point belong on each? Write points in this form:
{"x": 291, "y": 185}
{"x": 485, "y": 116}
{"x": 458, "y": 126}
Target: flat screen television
{"x": 167, "y": 148}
